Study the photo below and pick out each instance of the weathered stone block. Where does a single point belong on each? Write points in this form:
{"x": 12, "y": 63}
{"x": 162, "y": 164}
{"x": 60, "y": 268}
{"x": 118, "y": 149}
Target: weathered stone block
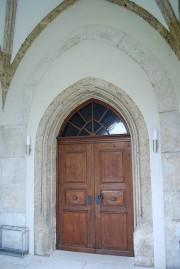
{"x": 143, "y": 245}
{"x": 1, "y": 142}
{"x": 14, "y": 141}
{"x": 43, "y": 245}
{"x": 172, "y": 244}
{"x": 0, "y": 169}
{"x": 171, "y": 172}
{"x": 170, "y": 131}
{"x": 165, "y": 92}
{"x": 172, "y": 205}
{"x": 12, "y": 200}
{"x": 16, "y": 219}
{"x": 13, "y": 172}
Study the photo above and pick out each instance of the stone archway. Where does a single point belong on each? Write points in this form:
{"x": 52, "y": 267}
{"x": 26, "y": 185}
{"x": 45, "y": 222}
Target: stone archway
{"x": 45, "y": 164}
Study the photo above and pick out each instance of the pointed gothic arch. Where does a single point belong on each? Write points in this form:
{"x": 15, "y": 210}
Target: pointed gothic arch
{"x": 45, "y": 163}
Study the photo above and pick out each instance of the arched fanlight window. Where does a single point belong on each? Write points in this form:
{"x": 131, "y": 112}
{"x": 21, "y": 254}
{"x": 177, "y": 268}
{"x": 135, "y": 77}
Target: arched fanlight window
{"x": 93, "y": 118}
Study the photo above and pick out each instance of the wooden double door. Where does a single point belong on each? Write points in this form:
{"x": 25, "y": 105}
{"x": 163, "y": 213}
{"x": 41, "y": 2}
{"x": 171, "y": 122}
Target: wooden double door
{"x": 94, "y": 195}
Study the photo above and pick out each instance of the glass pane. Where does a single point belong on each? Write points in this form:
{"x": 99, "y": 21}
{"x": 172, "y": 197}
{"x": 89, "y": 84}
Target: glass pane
{"x": 77, "y": 120}
{"x": 70, "y": 130}
{"x": 103, "y": 122}
{"x": 97, "y": 126}
{"x": 102, "y": 131}
{"x": 108, "y": 118}
{"x": 88, "y": 126}
{"x": 86, "y": 112}
{"x": 83, "y": 133}
{"x": 117, "y": 128}
{"x": 99, "y": 110}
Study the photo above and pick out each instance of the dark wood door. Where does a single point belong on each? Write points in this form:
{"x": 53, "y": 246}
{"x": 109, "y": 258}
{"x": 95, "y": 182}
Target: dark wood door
{"x": 94, "y": 195}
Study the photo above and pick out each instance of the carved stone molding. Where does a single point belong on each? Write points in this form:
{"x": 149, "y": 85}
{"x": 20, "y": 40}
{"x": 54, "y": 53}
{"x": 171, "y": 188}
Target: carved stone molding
{"x": 6, "y": 52}
{"x": 172, "y": 22}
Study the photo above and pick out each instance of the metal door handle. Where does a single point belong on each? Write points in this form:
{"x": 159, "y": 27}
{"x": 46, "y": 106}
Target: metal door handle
{"x": 89, "y": 199}
{"x": 113, "y": 199}
{"x": 99, "y": 198}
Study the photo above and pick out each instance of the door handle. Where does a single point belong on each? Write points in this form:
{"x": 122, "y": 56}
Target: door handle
{"x": 99, "y": 198}
{"x": 113, "y": 199}
{"x": 89, "y": 199}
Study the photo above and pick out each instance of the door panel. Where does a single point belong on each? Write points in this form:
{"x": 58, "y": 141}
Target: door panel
{"x": 111, "y": 169}
{"x": 113, "y": 198}
{"x": 75, "y": 184}
{"x": 94, "y": 196}
{"x": 75, "y": 228}
{"x": 77, "y": 197}
{"x": 114, "y": 231}
{"x": 113, "y": 181}
{"x": 75, "y": 166}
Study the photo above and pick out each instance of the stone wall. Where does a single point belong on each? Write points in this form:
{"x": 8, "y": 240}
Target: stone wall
{"x": 12, "y": 175}
{"x": 170, "y": 133}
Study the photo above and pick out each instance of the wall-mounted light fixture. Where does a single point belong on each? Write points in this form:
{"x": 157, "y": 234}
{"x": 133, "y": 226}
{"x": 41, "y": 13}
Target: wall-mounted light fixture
{"x": 155, "y": 140}
{"x": 28, "y": 145}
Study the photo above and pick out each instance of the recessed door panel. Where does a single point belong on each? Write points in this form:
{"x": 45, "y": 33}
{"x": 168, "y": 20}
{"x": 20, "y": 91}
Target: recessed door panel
{"x": 114, "y": 214}
{"x": 75, "y": 228}
{"x": 113, "y": 198}
{"x": 75, "y": 197}
{"x": 113, "y": 231}
{"x": 94, "y": 196}
{"x": 111, "y": 168}
{"x": 75, "y": 166}
{"x": 75, "y": 185}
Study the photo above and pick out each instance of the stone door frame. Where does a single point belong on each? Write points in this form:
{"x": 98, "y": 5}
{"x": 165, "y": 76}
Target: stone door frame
{"x": 45, "y": 164}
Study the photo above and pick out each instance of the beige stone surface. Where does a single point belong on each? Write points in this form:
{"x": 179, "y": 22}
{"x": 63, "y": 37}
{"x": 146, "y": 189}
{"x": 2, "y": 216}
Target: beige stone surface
{"x": 0, "y": 169}
{"x": 14, "y": 141}
{"x": 16, "y": 219}
{"x": 165, "y": 95}
{"x": 143, "y": 243}
{"x": 170, "y": 131}
{"x": 172, "y": 205}
{"x": 69, "y": 260}
{"x": 172, "y": 243}
{"x": 1, "y": 142}
{"x": 12, "y": 200}
{"x": 13, "y": 172}
{"x": 171, "y": 171}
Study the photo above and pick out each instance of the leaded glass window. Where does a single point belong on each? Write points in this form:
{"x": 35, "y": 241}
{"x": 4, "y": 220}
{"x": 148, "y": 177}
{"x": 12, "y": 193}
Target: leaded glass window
{"x": 94, "y": 118}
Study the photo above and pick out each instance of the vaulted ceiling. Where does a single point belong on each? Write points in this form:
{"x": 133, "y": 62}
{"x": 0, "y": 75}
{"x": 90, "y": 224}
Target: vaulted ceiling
{"x": 162, "y": 15}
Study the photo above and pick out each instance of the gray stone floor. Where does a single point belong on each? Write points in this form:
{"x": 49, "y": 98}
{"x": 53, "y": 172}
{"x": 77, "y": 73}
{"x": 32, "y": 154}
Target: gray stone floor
{"x": 68, "y": 260}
